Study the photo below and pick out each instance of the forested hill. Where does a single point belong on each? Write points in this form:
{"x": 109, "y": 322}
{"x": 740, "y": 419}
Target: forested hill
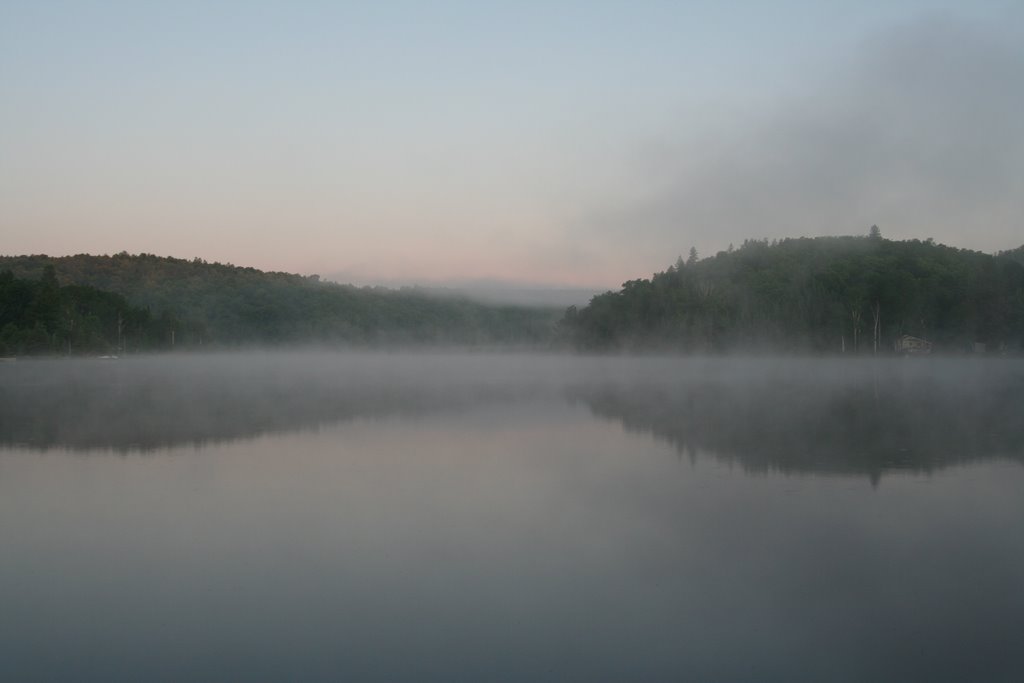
{"x": 1014, "y": 254}
{"x": 213, "y": 304}
{"x": 825, "y": 294}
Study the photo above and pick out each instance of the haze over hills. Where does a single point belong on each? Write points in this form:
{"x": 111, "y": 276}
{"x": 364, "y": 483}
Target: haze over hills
{"x": 504, "y": 293}
{"x": 825, "y": 294}
{"x": 222, "y": 305}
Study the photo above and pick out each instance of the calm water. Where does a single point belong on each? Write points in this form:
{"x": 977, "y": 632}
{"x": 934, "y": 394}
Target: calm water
{"x": 388, "y": 517}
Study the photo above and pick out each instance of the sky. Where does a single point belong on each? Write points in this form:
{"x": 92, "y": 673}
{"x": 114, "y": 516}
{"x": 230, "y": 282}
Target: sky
{"x": 556, "y": 143}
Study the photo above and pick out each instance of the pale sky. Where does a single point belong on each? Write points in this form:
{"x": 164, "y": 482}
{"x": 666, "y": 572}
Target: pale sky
{"x": 551, "y": 143}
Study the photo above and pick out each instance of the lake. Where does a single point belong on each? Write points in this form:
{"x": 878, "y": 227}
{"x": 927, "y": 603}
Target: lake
{"x": 499, "y": 517}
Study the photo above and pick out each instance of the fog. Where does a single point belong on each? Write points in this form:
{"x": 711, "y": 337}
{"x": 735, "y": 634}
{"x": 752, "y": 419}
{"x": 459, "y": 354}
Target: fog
{"x": 496, "y": 292}
{"x": 861, "y": 416}
{"x": 917, "y": 130}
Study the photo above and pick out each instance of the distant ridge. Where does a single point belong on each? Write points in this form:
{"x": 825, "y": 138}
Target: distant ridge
{"x": 224, "y": 305}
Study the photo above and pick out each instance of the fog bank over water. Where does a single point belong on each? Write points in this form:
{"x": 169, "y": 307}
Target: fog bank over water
{"x": 860, "y": 416}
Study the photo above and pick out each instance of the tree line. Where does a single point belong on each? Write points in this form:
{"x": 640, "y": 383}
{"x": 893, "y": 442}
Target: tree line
{"x": 823, "y": 294}
{"x": 175, "y": 303}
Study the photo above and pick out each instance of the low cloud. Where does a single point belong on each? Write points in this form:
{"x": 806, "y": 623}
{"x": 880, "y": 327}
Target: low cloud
{"x": 920, "y": 131}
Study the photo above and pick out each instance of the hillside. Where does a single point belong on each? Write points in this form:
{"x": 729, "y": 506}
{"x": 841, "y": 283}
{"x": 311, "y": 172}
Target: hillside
{"x": 220, "y": 305}
{"x": 42, "y": 317}
{"x": 825, "y": 294}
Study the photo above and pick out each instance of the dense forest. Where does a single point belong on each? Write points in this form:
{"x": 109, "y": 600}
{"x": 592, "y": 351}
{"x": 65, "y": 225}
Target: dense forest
{"x": 131, "y": 303}
{"x": 824, "y": 294}
{"x": 42, "y": 317}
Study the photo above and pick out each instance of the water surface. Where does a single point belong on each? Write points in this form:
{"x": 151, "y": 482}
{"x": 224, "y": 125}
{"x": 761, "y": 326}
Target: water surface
{"x": 480, "y": 517}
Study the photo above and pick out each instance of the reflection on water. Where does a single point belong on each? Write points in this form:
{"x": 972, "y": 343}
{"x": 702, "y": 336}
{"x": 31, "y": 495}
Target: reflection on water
{"x": 885, "y": 417}
{"x": 446, "y": 518}
{"x": 863, "y": 417}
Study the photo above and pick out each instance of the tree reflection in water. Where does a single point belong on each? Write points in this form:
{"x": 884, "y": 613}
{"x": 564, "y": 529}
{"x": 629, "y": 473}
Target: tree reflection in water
{"x": 815, "y": 415}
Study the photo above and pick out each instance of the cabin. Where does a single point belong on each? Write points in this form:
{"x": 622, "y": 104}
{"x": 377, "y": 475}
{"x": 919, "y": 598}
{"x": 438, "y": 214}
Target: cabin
{"x": 913, "y": 345}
